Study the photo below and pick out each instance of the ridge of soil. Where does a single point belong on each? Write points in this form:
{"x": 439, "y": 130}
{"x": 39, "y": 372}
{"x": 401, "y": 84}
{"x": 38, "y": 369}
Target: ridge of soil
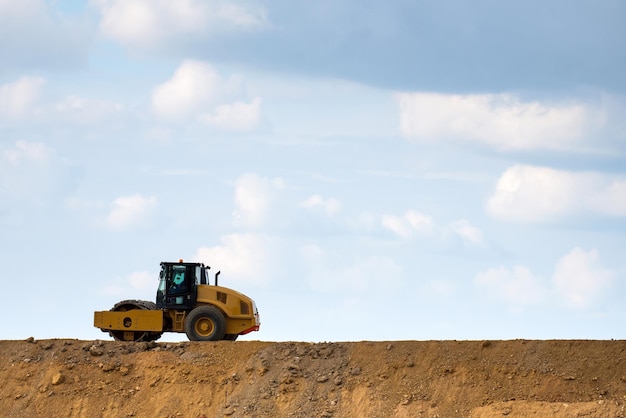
{"x": 514, "y": 378}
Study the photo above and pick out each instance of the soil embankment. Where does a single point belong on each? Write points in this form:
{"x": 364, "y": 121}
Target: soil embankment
{"x": 518, "y": 378}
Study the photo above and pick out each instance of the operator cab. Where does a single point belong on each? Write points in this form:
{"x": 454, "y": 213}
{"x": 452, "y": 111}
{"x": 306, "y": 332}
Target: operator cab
{"x": 177, "y": 284}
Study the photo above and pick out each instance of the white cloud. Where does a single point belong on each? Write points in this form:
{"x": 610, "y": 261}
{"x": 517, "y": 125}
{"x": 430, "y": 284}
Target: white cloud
{"x": 24, "y": 152}
{"x": 579, "y": 279}
{"x": 441, "y": 288}
{"x": 143, "y": 280}
{"x": 193, "y": 86}
{"x": 467, "y": 231}
{"x": 14, "y": 9}
{"x": 196, "y": 91}
{"x": 36, "y": 36}
{"x": 150, "y": 23}
{"x": 137, "y": 285}
{"x": 407, "y": 225}
{"x": 253, "y": 198}
{"x": 238, "y": 117}
{"x": 19, "y": 96}
{"x": 332, "y": 272}
{"x": 329, "y": 206}
{"x": 610, "y": 197}
{"x": 532, "y": 194}
{"x": 499, "y": 120}
{"x": 516, "y": 286}
{"x": 87, "y": 111}
{"x": 131, "y": 211}
{"x": 414, "y": 223}
{"x": 241, "y": 258}
{"x": 32, "y": 171}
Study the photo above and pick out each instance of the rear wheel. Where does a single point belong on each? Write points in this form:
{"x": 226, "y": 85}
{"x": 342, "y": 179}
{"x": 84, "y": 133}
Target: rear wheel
{"x": 205, "y": 323}
{"x": 127, "y": 305}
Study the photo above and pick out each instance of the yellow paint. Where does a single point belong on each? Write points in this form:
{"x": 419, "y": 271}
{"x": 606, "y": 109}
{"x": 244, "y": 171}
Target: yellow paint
{"x": 132, "y": 320}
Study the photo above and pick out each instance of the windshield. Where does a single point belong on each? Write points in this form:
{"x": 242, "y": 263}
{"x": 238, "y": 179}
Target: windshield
{"x": 162, "y": 277}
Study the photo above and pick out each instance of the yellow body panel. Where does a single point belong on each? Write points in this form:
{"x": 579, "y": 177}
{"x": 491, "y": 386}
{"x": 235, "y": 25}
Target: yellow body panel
{"x": 228, "y": 300}
{"x": 239, "y": 309}
{"x": 237, "y": 326}
{"x": 132, "y": 320}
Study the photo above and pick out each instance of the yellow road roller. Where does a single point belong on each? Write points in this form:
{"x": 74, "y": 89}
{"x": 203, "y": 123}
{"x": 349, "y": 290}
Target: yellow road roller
{"x": 185, "y": 302}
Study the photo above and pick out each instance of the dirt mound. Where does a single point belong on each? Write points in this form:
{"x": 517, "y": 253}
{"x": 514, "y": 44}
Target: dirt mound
{"x": 71, "y": 378}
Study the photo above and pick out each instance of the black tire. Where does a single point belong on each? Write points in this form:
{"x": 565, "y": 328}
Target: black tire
{"x": 231, "y": 337}
{"x": 205, "y": 323}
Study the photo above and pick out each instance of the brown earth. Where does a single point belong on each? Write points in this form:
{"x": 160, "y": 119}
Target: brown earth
{"x": 519, "y": 378}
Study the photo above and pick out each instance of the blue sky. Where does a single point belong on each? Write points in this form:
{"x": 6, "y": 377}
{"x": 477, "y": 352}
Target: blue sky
{"x": 363, "y": 170}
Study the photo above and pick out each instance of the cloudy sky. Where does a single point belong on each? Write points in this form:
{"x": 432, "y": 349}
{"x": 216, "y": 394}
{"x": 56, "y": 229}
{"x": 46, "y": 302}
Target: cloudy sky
{"x": 364, "y": 170}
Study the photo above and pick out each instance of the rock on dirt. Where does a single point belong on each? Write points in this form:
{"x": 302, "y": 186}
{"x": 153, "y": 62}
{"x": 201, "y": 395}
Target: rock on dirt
{"x": 517, "y": 378}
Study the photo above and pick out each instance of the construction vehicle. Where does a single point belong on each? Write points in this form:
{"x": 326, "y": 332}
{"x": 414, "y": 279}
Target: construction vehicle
{"x": 185, "y": 302}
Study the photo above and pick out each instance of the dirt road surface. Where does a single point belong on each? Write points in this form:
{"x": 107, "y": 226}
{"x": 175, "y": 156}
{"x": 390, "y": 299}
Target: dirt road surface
{"x": 517, "y": 378}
